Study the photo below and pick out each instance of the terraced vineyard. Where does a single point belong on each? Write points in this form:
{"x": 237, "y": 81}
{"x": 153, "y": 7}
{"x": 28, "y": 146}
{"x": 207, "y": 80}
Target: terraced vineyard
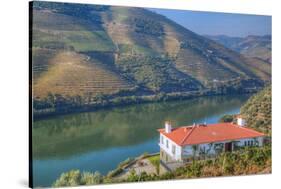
{"x": 90, "y": 51}
{"x": 200, "y": 68}
{"x": 74, "y": 74}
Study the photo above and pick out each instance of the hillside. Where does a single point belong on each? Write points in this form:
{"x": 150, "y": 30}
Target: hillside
{"x": 82, "y": 54}
{"x": 258, "y": 111}
{"x": 258, "y": 47}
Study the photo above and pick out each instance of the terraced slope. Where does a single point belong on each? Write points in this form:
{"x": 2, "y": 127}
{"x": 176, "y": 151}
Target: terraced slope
{"x": 258, "y": 47}
{"x": 142, "y": 32}
{"x": 88, "y": 51}
{"x": 59, "y": 67}
{"x": 74, "y": 74}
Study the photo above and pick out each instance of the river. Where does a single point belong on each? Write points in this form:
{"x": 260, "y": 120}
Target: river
{"x": 99, "y": 141}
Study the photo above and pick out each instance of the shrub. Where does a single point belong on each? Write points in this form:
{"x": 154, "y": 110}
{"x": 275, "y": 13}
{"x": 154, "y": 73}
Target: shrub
{"x": 71, "y": 178}
{"x": 133, "y": 177}
{"x": 75, "y": 178}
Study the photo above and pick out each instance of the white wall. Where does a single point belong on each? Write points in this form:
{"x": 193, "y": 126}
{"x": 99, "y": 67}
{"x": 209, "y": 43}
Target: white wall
{"x": 187, "y": 151}
{"x": 178, "y": 149}
{"x": 210, "y": 149}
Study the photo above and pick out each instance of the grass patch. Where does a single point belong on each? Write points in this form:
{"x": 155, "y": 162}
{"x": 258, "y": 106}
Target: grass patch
{"x": 89, "y": 41}
{"x": 81, "y": 41}
{"x": 155, "y": 161}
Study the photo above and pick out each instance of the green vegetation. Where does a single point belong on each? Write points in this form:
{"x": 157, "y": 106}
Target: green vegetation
{"x": 95, "y": 56}
{"x": 89, "y": 41}
{"x": 250, "y": 160}
{"x": 155, "y": 161}
{"x": 81, "y": 40}
{"x": 75, "y": 178}
{"x": 245, "y": 161}
{"x": 258, "y": 111}
{"x": 227, "y": 118}
{"x": 134, "y": 49}
{"x": 133, "y": 177}
{"x": 148, "y": 26}
{"x": 156, "y": 73}
{"x": 82, "y": 11}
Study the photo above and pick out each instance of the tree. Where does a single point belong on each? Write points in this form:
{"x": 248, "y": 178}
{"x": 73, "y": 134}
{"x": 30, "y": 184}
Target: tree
{"x": 226, "y": 119}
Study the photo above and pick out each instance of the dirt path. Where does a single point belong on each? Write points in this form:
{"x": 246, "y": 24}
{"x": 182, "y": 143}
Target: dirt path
{"x": 143, "y": 165}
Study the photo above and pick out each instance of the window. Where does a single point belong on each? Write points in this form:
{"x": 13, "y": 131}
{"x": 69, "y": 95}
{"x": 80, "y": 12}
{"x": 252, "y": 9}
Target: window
{"x": 252, "y": 143}
{"x": 167, "y": 144}
{"x": 162, "y": 139}
{"x": 245, "y": 143}
{"x": 248, "y": 143}
{"x": 173, "y": 149}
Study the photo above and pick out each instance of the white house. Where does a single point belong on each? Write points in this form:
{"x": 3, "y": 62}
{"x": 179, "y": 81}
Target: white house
{"x": 205, "y": 140}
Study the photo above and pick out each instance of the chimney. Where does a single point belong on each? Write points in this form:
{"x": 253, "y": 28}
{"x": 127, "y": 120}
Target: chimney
{"x": 168, "y": 126}
{"x": 241, "y": 122}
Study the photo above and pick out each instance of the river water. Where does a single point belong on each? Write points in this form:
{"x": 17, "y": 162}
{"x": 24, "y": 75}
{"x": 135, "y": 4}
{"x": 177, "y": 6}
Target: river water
{"x": 99, "y": 141}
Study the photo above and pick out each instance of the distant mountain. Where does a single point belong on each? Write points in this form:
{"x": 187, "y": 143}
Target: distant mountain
{"x": 258, "y": 47}
{"x": 84, "y": 52}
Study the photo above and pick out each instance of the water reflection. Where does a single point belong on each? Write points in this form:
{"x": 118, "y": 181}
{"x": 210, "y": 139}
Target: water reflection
{"x": 69, "y": 135}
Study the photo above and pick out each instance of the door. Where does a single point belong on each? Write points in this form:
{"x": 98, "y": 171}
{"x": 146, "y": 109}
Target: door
{"x": 228, "y": 147}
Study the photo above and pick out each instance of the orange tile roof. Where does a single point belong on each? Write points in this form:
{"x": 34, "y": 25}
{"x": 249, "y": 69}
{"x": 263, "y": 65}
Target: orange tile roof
{"x": 189, "y": 135}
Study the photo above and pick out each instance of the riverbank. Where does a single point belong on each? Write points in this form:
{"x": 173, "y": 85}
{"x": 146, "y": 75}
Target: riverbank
{"x": 148, "y": 163}
{"x": 246, "y": 161}
{"x": 115, "y": 101}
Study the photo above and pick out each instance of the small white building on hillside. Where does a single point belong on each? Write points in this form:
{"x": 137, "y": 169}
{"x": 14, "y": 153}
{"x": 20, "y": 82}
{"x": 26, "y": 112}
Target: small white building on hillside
{"x": 205, "y": 140}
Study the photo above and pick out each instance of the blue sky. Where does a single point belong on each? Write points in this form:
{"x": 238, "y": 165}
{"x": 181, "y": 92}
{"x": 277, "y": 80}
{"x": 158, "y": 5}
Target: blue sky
{"x": 237, "y": 25}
